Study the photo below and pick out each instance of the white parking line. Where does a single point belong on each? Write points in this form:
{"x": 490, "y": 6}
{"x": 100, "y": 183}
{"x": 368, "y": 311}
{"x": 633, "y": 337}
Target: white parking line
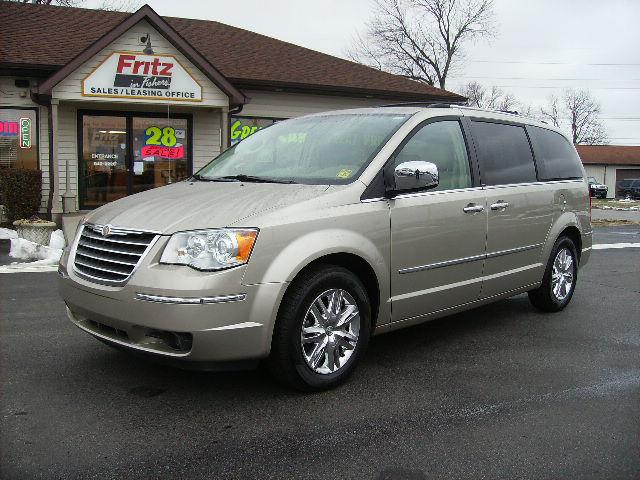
{"x": 607, "y": 246}
{"x": 31, "y": 269}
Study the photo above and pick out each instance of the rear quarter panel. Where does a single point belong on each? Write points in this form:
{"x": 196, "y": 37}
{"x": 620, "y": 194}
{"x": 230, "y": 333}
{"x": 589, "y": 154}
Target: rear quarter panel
{"x": 571, "y": 209}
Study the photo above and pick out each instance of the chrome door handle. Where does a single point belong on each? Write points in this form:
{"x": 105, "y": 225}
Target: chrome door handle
{"x": 499, "y": 205}
{"x": 473, "y": 208}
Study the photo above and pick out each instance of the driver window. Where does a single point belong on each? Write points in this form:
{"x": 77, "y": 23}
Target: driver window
{"x": 441, "y": 143}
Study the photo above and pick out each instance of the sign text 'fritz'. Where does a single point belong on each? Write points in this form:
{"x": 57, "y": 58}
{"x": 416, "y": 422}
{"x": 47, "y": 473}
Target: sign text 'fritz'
{"x": 150, "y": 77}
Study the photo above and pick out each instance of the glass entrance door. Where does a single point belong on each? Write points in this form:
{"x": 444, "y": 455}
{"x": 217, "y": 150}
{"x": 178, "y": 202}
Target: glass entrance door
{"x": 160, "y": 151}
{"x": 127, "y": 153}
{"x": 104, "y": 160}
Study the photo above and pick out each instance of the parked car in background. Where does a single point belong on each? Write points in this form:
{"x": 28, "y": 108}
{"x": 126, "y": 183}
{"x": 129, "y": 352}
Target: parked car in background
{"x": 597, "y": 189}
{"x": 303, "y": 240}
{"x": 629, "y": 188}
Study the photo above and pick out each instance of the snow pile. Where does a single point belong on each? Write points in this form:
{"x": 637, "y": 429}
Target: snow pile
{"x": 6, "y": 234}
{"x": 37, "y": 254}
{"x": 56, "y": 240}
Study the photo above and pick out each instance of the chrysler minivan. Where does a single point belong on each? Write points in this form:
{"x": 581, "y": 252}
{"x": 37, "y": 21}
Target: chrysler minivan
{"x": 302, "y": 241}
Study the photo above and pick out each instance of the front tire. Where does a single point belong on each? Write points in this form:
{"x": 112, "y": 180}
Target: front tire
{"x": 559, "y": 281}
{"x": 322, "y": 330}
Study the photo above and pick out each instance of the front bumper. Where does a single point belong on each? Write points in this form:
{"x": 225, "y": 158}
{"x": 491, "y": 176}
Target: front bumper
{"x": 176, "y": 312}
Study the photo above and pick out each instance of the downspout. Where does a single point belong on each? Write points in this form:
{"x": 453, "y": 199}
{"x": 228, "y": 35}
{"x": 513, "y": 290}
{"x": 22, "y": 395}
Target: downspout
{"x": 51, "y": 169}
{"x": 44, "y": 101}
{"x": 68, "y": 198}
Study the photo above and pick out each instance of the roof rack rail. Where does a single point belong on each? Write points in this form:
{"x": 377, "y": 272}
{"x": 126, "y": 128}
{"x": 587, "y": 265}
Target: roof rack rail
{"x": 508, "y": 112}
{"x": 425, "y": 104}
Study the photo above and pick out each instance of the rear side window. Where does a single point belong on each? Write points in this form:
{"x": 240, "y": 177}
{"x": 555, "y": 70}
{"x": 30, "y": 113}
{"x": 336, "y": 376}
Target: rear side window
{"x": 504, "y": 153}
{"x": 555, "y": 156}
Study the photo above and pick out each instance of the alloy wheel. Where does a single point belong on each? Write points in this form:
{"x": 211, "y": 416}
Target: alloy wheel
{"x": 562, "y": 275}
{"x": 330, "y": 331}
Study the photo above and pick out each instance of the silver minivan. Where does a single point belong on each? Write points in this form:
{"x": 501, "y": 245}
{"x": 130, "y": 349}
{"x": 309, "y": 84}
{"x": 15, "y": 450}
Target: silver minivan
{"x": 300, "y": 242}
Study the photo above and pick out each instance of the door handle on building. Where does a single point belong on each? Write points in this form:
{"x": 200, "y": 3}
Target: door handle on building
{"x": 473, "y": 208}
{"x": 499, "y": 205}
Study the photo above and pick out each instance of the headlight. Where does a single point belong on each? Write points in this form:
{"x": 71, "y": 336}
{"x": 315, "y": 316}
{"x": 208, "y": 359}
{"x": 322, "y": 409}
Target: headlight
{"x": 214, "y": 249}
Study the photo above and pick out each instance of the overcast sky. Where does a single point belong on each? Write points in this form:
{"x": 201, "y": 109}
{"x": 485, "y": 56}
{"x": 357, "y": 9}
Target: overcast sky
{"x": 542, "y": 45}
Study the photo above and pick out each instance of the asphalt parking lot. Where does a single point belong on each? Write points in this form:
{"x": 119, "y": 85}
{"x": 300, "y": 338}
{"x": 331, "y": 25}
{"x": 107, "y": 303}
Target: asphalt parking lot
{"x": 498, "y": 392}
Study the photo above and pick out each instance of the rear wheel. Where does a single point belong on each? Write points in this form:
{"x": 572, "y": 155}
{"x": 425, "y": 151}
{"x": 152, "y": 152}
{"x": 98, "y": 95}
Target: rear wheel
{"x": 628, "y": 196}
{"x": 322, "y": 330}
{"x": 559, "y": 281}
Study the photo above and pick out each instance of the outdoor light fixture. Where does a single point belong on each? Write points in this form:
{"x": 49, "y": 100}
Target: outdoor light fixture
{"x": 147, "y": 50}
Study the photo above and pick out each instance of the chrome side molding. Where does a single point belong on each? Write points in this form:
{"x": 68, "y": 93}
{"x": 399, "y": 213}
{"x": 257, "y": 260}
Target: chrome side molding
{"x": 191, "y": 300}
{"x": 474, "y": 258}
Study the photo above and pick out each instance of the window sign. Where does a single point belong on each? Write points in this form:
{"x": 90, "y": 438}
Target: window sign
{"x": 9, "y": 129}
{"x": 163, "y": 142}
{"x": 136, "y": 75}
{"x": 18, "y": 139}
{"x": 242, "y": 127}
{"x": 25, "y": 132}
{"x": 160, "y": 152}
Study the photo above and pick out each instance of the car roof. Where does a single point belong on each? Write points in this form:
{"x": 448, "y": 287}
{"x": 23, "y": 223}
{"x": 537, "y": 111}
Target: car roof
{"x": 436, "y": 110}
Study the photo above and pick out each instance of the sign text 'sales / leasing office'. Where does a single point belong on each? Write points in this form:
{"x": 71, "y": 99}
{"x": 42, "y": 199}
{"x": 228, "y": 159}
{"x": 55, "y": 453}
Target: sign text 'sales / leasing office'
{"x": 150, "y": 77}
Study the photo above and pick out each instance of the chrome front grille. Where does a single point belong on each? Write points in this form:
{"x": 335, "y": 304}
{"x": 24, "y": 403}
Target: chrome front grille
{"x": 106, "y": 254}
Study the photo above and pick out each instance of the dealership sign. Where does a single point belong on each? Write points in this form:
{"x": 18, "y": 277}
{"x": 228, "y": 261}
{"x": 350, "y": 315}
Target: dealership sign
{"x": 149, "y": 77}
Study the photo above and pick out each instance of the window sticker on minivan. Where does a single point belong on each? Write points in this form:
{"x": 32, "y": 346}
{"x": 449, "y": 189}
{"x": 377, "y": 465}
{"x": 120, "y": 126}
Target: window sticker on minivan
{"x": 344, "y": 173}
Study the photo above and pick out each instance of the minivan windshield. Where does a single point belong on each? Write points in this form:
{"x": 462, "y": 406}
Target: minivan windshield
{"x": 328, "y": 149}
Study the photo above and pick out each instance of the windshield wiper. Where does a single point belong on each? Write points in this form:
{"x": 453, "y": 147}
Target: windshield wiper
{"x": 200, "y": 178}
{"x": 252, "y": 178}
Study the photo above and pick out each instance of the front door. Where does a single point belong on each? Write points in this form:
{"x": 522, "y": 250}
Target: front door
{"x": 104, "y": 163}
{"x": 128, "y": 153}
{"x": 437, "y": 236}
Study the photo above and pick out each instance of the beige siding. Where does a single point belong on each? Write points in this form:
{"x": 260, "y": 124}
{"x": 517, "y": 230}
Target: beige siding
{"x": 43, "y": 142}
{"x": 71, "y": 87}
{"x": 206, "y": 137}
{"x": 12, "y": 96}
{"x": 68, "y": 148}
{"x": 596, "y": 171}
{"x": 287, "y": 105}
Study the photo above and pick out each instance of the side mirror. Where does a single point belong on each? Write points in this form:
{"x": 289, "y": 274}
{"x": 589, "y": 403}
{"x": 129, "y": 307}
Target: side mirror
{"x": 415, "y": 175}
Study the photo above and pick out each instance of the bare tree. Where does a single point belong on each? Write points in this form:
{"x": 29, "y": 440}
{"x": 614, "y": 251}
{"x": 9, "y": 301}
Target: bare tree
{"x": 112, "y": 5}
{"x": 493, "y": 98}
{"x": 422, "y": 39}
{"x": 580, "y": 112}
{"x": 552, "y": 112}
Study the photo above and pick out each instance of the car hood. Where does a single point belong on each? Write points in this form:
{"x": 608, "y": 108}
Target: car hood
{"x": 196, "y": 205}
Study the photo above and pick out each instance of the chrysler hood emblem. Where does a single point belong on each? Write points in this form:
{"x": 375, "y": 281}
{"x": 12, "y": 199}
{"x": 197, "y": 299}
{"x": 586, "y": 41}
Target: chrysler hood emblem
{"x": 106, "y": 230}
